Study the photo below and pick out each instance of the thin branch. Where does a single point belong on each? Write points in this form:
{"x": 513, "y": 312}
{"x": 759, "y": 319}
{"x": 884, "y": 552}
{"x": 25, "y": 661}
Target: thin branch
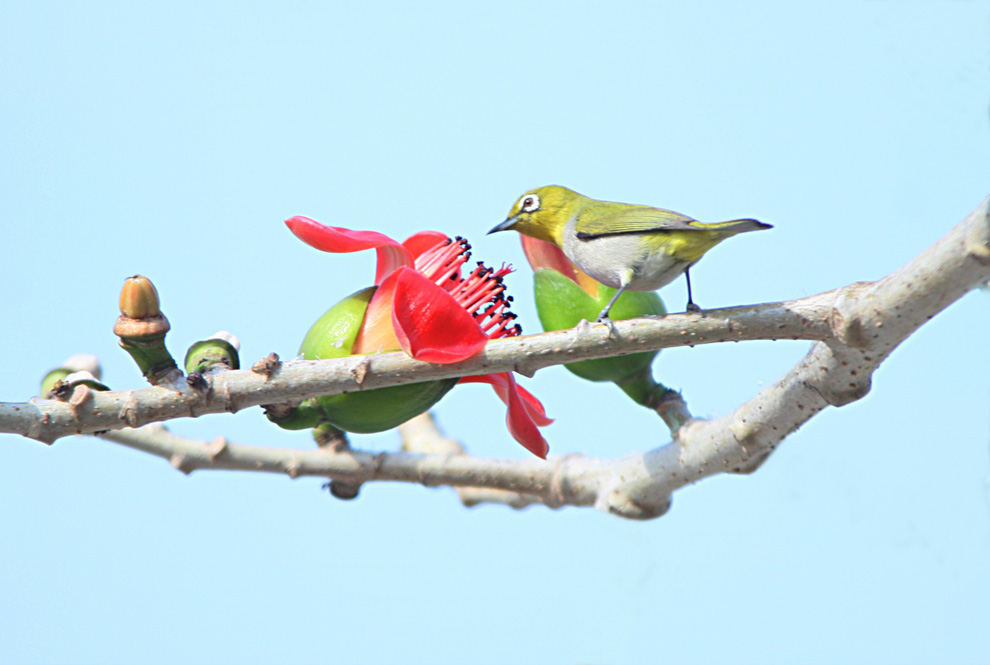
{"x": 88, "y": 412}
{"x": 866, "y": 322}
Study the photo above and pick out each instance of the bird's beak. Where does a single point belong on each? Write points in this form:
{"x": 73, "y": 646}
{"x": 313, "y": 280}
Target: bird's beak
{"x": 506, "y": 225}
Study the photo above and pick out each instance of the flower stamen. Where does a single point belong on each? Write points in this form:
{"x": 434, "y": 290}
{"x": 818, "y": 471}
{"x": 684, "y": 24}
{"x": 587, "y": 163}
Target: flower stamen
{"x": 481, "y": 293}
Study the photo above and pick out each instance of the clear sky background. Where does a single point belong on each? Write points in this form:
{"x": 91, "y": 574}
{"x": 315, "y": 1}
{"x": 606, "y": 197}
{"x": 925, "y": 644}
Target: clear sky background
{"x": 173, "y": 140}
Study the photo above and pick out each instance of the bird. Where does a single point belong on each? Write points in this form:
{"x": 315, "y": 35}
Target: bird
{"x": 621, "y": 245}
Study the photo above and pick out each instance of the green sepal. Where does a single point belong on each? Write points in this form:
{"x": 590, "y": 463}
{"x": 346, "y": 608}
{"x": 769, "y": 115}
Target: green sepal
{"x": 203, "y": 355}
{"x": 91, "y": 383}
{"x": 55, "y": 381}
{"x": 52, "y": 378}
{"x": 382, "y": 408}
{"x": 333, "y": 336}
{"x": 305, "y": 416}
{"x": 562, "y": 304}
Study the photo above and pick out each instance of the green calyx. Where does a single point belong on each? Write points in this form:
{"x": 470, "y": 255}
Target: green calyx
{"x": 333, "y": 336}
{"x": 562, "y": 304}
{"x": 66, "y": 379}
{"x": 209, "y": 353}
{"x": 52, "y": 378}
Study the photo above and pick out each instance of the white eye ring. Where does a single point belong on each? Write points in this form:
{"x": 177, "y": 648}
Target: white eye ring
{"x": 529, "y": 203}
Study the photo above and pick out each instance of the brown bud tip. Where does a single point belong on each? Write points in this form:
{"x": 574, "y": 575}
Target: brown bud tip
{"x": 139, "y": 298}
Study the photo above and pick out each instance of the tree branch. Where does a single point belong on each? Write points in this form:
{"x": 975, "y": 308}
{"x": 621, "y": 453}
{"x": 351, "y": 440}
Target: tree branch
{"x": 88, "y": 412}
{"x": 855, "y": 328}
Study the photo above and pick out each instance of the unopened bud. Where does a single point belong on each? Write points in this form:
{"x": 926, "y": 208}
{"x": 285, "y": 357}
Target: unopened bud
{"x": 217, "y": 351}
{"x": 141, "y": 328}
{"x": 139, "y": 298}
{"x": 80, "y": 368}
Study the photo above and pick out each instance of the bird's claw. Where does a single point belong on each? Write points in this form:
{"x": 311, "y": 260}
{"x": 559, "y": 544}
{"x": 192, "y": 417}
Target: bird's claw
{"x": 608, "y": 322}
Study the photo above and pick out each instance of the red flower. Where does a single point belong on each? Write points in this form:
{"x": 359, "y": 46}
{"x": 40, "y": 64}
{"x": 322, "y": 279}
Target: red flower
{"x": 426, "y": 307}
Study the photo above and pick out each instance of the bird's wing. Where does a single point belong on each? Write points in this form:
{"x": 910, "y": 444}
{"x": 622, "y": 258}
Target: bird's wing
{"x": 632, "y": 220}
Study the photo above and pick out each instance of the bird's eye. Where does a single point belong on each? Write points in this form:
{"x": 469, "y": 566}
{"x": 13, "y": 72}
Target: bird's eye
{"x": 529, "y": 203}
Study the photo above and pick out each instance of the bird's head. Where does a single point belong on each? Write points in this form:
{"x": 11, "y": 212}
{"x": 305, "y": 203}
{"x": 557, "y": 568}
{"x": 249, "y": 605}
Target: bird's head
{"x": 542, "y": 213}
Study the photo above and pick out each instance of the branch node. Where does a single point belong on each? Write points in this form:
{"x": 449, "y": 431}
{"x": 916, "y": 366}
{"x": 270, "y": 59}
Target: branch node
{"x": 846, "y": 325}
{"x": 622, "y": 503}
{"x": 82, "y": 397}
{"x": 37, "y": 428}
{"x": 558, "y": 492}
{"x": 181, "y": 463}
{"x": 750, "y": 465}
{"x": 267, "y": 365}
{"x": 198, "y": 382}
{"x": 229, "y": 404}
{"x": 360, "y": 371}
{"x": 216, "y": 447}
{"x": 130, "y": 412}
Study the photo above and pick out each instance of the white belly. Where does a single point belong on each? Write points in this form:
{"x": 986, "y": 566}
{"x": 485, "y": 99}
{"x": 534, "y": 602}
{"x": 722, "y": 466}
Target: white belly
{"x": 622, "y": 260}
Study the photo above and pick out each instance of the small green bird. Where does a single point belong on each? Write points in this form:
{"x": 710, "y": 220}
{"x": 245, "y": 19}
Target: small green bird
{"x": 624, "y": 246}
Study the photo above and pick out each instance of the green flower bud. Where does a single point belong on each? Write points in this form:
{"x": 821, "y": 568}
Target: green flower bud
{"x": 141, "y": 328}
{"x": 84, "y": 378}
{"x": 52, "y": 379}
{"x": 219, "y": 350}
{"x": 78, "y": 369}
{"x": 333, "y": 336}
{"x": 562, "y": 304}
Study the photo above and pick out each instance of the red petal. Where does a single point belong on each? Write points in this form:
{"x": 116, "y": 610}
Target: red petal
{"x": 521, "y": 417}
{"x": 429, "y": 323}
{"x": 423, "y": 241}
{"x": 501, "y": 385}
{"x": 534, "y": 406}
{"x": 546, "y": 255}
{"x": 391, "y": 255}
{"x": 543, "y": 254}
{"x": 377, "y": 334}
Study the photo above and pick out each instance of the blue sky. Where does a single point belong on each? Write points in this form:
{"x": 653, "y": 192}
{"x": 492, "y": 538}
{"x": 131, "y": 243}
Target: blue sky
{"x": 172, "y": 141}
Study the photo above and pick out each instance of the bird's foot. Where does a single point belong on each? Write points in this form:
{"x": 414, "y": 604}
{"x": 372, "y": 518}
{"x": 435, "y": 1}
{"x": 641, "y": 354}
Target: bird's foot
{"x": 608, "y": 322}
{"x": 692, "y": 308}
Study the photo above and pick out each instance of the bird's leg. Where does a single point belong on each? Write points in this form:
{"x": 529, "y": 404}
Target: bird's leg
{"x": 691, "y": 307}
{"x": 603, "y": 317}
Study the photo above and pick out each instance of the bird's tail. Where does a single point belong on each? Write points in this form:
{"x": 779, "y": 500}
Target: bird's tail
{"x": 732, "y": 227}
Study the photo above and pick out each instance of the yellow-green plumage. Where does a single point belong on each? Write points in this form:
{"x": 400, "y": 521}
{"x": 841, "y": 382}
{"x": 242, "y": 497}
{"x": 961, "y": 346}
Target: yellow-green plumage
{"x": 624, "y": 246}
